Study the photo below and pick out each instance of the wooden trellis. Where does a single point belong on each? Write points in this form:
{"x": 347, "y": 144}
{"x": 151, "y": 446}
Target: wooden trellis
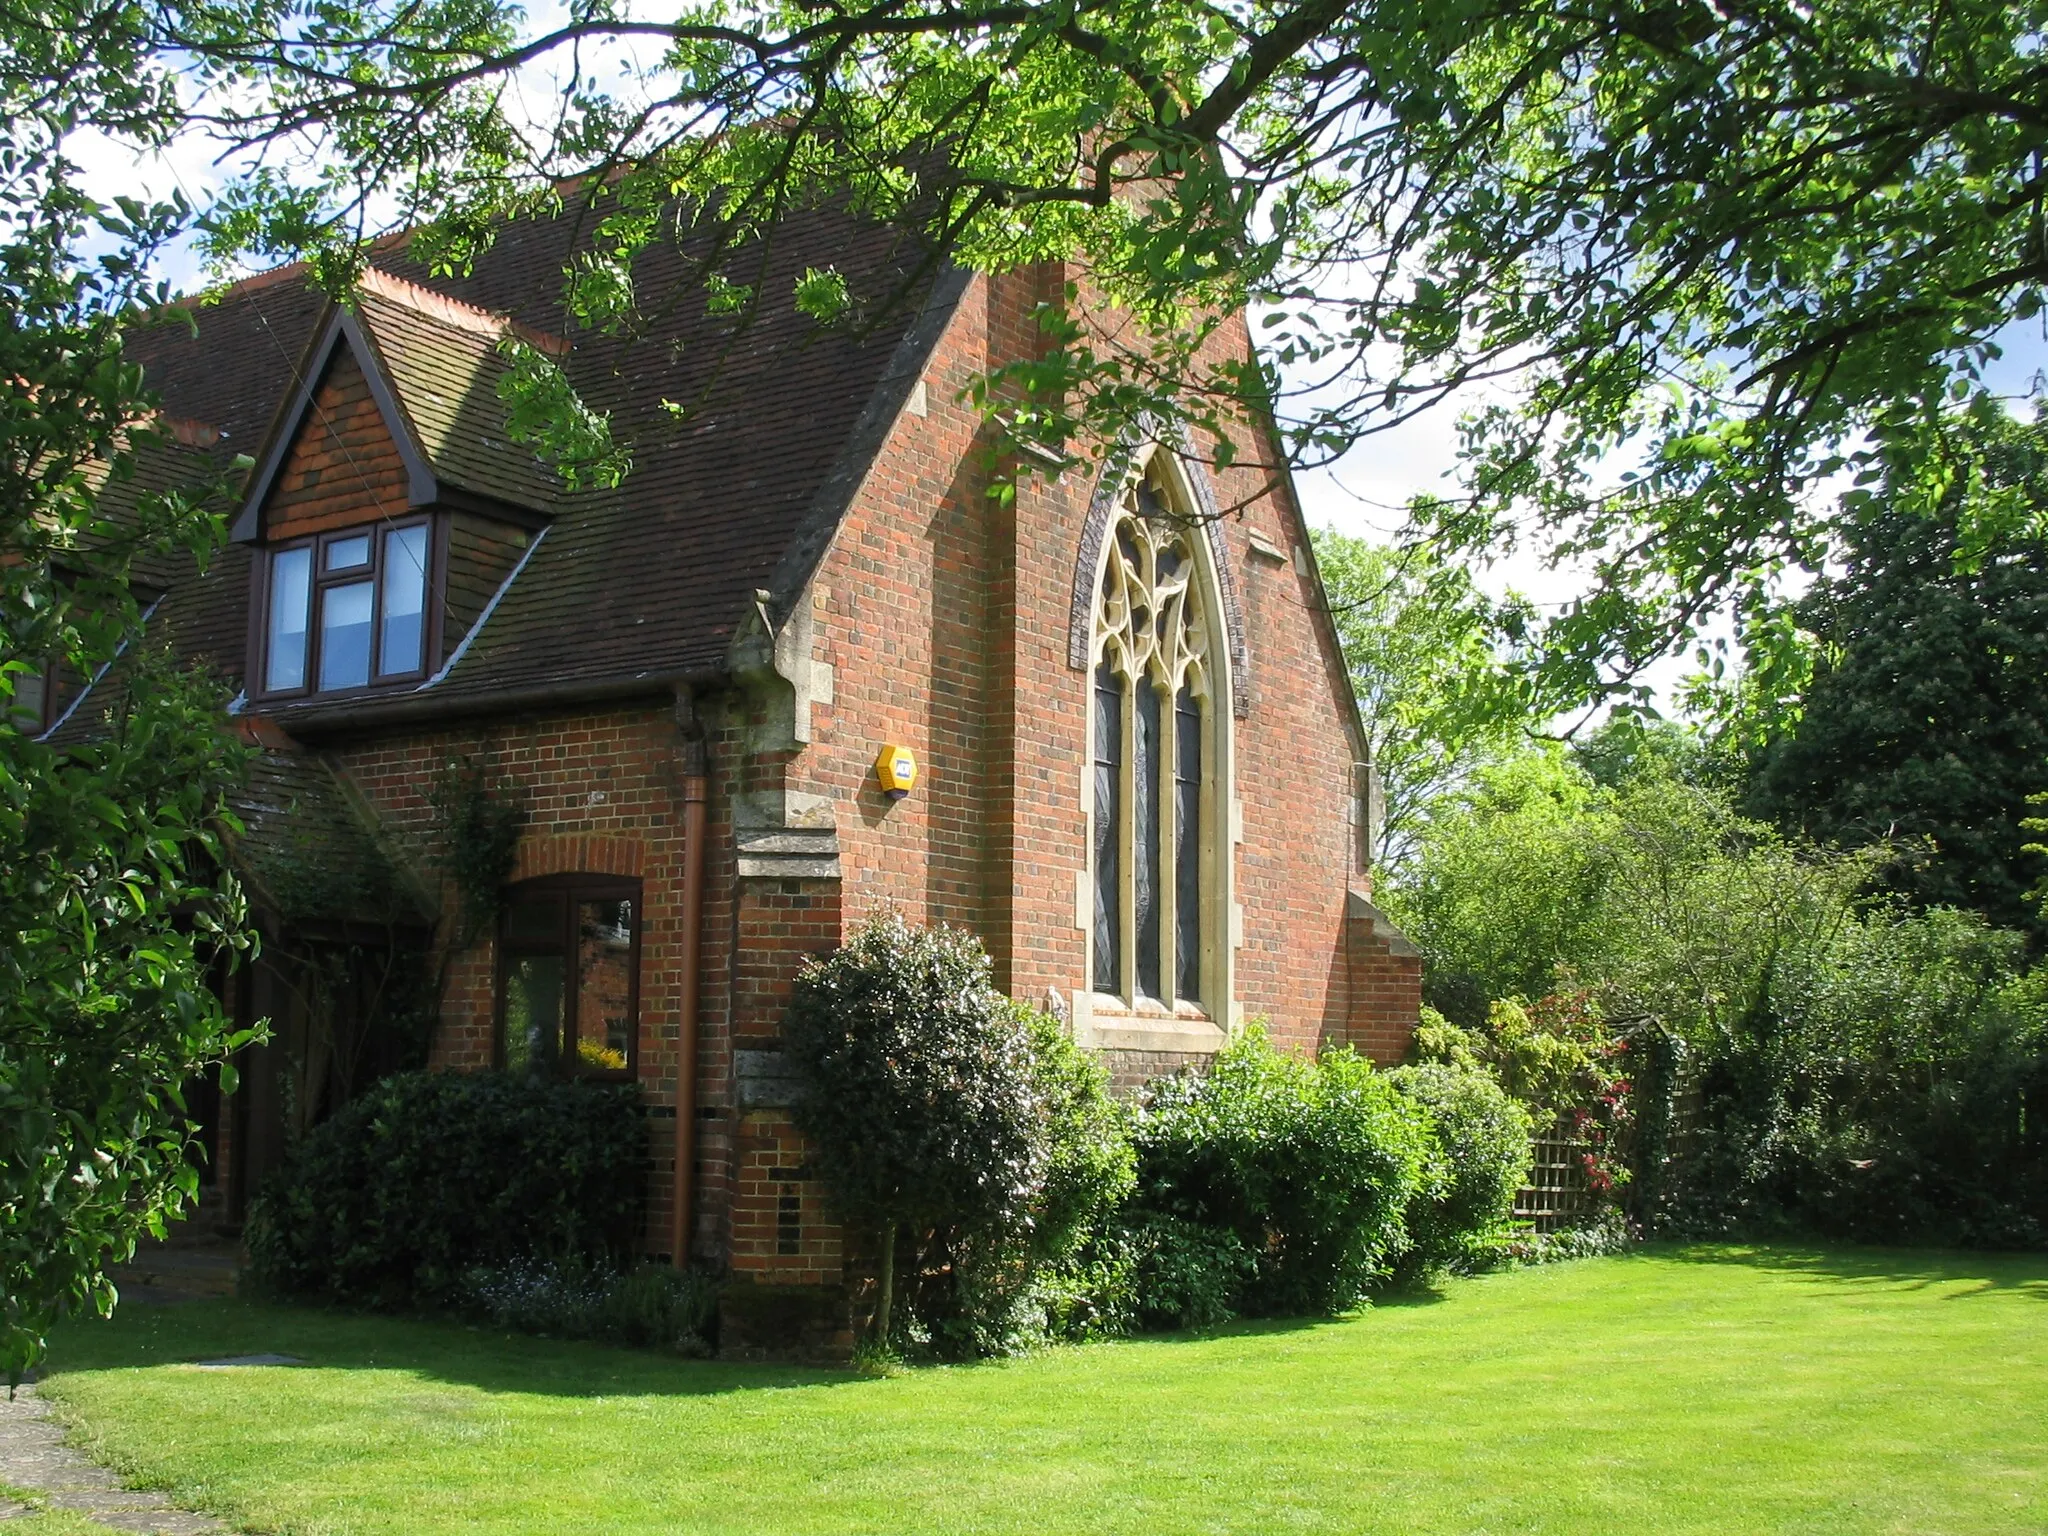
{"x": 1557, "y": 1194}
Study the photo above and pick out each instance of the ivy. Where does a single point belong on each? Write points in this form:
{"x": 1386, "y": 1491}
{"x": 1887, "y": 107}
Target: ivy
{"x": 478, "y": 829}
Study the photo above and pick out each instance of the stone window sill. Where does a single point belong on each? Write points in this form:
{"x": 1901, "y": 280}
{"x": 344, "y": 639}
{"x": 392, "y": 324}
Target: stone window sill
{"x": 1114, "y": 1025}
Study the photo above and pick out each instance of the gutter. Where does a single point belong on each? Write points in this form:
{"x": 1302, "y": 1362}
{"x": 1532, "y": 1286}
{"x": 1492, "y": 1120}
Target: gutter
{"x": 413, "y": 707}
{"x": 142, "y": 627}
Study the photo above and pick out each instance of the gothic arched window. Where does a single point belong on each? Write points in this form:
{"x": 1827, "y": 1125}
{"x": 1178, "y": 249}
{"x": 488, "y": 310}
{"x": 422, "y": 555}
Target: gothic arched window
{"x": 1158, "y": 740}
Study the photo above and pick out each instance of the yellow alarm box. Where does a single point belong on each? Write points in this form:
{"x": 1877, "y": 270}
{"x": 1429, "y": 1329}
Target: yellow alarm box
{"x": 896, "y": 771}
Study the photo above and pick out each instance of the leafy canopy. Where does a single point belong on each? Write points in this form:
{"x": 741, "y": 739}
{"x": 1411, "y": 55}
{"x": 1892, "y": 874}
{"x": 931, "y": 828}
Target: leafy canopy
{"x": 1693, "y": 258}
{"x": 1436, "y": 696}
{"x": 113, "y": 900}
{"x": 1925, "y": 717}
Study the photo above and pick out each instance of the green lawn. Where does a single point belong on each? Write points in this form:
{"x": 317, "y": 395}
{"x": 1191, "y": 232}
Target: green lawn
{"x": 54, "y": 1523}
{"x": 1701, "y": 1390}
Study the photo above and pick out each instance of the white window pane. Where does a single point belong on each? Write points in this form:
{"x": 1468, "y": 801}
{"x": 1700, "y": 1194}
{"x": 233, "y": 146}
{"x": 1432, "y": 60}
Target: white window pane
{"x": 31, "y": 694}
{"x": 345, "y": 636}
{"x": 405, "y": 595}
{"x": 291, "y": 573}
{"x": 347, "y": 554}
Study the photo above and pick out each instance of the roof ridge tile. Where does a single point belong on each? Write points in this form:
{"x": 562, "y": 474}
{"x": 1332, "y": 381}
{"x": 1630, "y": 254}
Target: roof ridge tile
{"x": 456, "y": 314}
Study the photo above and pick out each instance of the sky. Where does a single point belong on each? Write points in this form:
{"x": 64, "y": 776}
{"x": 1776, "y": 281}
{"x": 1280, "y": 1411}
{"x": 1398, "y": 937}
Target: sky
{"x": 1363, "y": 493}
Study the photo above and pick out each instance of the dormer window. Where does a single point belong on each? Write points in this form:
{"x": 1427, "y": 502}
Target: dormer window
{"x": 391, "y": 501}
{"x": 347, "y": 610}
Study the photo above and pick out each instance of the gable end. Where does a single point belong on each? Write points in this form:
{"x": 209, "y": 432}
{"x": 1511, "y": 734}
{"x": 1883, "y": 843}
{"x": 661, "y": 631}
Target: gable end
{"x": 327, "y": 396}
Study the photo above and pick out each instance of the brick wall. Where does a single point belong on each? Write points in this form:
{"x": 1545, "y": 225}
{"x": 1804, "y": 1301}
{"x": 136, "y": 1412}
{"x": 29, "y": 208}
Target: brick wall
{"x": 944, "y": 617}
{"x": 602, "y": 792}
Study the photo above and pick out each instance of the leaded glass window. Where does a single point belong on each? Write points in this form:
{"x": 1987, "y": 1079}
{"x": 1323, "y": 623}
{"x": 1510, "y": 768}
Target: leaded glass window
{"x": 1153, "y": 800}
{"x": 1109, "y": 784}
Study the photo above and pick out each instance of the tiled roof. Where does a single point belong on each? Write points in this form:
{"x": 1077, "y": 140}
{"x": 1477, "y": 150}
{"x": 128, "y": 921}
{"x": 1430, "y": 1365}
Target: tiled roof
{"x": 443, "y": 360}
{"x": 308, "y": 851}
{"x": 630, "y": 587}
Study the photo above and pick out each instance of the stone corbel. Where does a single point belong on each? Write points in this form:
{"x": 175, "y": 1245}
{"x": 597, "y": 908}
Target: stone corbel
{"x": 776, "y": 666}
{"x": 781, "y": 833}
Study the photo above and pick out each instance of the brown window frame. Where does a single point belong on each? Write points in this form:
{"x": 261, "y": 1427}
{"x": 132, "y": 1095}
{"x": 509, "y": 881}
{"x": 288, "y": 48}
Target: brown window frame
{"x": 573, "y": 889}
{"x": 319, "y": 580}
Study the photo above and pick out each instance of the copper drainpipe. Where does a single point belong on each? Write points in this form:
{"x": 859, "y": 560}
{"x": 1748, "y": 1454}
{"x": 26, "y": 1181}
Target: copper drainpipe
{"x": 690, "y": 751}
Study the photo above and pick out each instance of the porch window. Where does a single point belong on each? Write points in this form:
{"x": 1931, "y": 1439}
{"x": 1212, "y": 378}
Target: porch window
{"x": 1154, "y": 727}
{"x": 346, "y": 610}
{"x": 569, "y": 977}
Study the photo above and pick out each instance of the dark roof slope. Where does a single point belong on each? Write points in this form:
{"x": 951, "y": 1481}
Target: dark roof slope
{"x": 444, "y": 361}
{"x": 629, "y": 587}
{"x": 308, "y": 851}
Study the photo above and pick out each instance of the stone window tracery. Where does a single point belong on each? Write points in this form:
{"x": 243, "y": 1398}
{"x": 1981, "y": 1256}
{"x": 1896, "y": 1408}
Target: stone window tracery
{"x": 1156, "y": 730}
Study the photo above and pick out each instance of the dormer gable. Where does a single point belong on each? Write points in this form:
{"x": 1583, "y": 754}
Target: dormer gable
{"x": 389, "y": 501}
{"x": 342, "y": 464}
{"x": 397, "y": 407}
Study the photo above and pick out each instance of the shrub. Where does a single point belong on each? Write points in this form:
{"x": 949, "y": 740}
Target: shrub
{"x": 1090, "y": 1166}
{"x": 1891, "y": 1086}
{"x": 651, "y": 1307}
{"x": 541, "y": 1296}
{"x": 1439, "y": 1041}
{"x": 1478, "y": 1159}
{"x": 1004, "y": 1289}
{"x": 1310, "y": 1164}
{"x": 1184, "y": 1275}
{"x": 1858, "y": 1072}
{"x": 1608, "y": 1233}
{"x": 431, "y": 1174}
{"x": 922, "y": 1102}
{"x": 1146, "y": 1270}
{"x": 657, "y": 1307}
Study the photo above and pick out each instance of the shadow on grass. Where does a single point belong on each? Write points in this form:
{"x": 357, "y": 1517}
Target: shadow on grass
{"x": 1960, "y": 1274}
{"x": 448, "y": 1351}
{"x": 490, "y": 1360}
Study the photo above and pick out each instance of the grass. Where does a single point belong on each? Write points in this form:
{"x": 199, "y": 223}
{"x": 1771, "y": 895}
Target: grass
{"x": 54, "y": 1523}
{"x": 1708, "y": 1389}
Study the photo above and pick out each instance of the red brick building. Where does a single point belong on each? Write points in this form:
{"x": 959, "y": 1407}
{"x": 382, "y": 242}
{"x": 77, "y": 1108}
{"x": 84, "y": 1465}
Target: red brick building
{"x": 1140, "y": 773}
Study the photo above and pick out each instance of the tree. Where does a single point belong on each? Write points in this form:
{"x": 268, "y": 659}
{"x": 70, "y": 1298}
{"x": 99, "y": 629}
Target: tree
{"x": 1926, "y": 717}
{"x": 1508, "y": 882}
{"x": 922, "y": 1101}
{"x": 1630, "y": 748}
{"x": 1437, "y": 699}
{"x": 1703, "y": 255}
{"x": 114, "y": 901}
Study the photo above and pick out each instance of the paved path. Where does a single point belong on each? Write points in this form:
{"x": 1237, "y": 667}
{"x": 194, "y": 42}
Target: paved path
{"x": 34, "y": 1457}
